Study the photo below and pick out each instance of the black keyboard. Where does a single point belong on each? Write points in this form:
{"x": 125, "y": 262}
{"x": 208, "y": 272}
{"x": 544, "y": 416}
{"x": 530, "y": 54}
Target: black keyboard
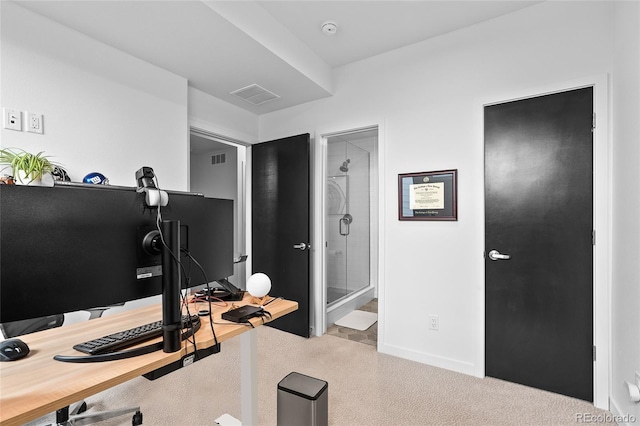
{"x": 116, "y": 341}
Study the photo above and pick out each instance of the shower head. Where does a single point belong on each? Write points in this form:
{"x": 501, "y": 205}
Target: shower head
{"x": 345, "y": 166}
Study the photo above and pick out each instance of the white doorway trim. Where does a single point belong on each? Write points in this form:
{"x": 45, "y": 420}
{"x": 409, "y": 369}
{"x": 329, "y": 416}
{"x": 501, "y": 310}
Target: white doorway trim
{"x": 240, "y": 235}
{"x": 319, "y": 261}
{"x": 602, "y": 226}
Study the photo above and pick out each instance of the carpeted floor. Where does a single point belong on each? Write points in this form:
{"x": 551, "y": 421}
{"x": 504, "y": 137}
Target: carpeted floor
{"x": 365, "y": 388}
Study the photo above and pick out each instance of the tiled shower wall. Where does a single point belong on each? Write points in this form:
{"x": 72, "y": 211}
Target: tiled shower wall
{"x": 348, "y": 258}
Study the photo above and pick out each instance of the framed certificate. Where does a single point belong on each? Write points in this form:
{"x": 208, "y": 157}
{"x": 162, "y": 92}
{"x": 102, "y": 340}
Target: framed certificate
{"x": 428, "y": 195}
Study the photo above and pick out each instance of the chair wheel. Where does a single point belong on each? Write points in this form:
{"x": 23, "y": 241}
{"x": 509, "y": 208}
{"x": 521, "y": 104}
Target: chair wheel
{"x": 137, "y": 419}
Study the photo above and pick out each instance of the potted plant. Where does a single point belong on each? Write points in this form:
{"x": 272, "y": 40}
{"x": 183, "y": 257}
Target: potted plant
{"x": 26, "y": 168}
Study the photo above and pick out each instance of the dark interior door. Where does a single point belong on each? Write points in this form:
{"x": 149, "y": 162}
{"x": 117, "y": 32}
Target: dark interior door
{"x": 539, "y": 213}
{"x": 280, "y": 223}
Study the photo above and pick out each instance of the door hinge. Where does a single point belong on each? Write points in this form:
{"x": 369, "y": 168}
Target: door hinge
{"x": 594, "y": 352}
{"x": 593, "y": 237}
{"x": 593, "y": 122}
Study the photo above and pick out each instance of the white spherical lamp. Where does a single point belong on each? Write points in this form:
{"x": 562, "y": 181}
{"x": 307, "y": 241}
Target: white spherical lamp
{"x": 258, "y": 286}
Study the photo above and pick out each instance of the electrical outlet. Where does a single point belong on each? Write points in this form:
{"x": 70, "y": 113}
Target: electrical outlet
{"x": 434, "y": 322}
{"x": 12, "y": 119}
{"x": 34, "y": 122}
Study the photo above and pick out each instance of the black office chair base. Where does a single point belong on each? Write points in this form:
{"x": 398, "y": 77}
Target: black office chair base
{"x": 77, "y": 416}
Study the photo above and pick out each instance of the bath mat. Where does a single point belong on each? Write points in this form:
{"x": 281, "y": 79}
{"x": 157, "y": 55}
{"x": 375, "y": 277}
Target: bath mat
{"x": 358, "y": 320}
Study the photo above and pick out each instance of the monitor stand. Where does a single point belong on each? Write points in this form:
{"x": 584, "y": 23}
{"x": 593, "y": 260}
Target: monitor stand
{"x": 171, "y": 312}
{"x": 226, "y": 292}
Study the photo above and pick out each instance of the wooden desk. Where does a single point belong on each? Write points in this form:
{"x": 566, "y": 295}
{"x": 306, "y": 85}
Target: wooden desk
{"x": 38, "y": 385}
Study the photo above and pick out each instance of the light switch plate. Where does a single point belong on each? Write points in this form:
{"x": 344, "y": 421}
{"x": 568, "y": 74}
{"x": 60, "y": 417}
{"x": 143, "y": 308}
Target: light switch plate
{"x": 12, "y": 119}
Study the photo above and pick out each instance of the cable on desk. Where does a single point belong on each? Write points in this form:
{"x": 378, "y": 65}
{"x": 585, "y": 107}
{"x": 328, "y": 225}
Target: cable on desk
{"x": 273, "y": 300}
{"x": 112, "y": 356}
{"x": 129, "y": 353}
{"x": 207, "y": 299}
{"x": 190, "y": 338}
{"x": 177, "y": 261}
{"x": 206, "y": 280}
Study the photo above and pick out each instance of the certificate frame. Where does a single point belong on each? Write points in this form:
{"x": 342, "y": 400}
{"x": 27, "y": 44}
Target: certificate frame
{"x": 428, "y": 195}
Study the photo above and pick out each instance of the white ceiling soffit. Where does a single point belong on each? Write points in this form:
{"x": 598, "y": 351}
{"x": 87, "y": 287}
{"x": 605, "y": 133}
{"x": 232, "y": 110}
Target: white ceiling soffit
{"x": 221, "y": 46}
{"x": 190, "y": 39}
{"x": 251, "y": 18}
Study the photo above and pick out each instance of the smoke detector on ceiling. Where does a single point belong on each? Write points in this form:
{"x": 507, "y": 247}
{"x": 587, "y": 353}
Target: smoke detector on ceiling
{"x": 329, "y": 28}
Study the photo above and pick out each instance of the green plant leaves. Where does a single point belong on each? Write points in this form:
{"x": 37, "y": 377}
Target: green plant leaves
{"x": 32, "y": 166}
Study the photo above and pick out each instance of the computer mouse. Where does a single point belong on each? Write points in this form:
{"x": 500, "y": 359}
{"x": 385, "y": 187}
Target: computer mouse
{"x": 13, "y": 349}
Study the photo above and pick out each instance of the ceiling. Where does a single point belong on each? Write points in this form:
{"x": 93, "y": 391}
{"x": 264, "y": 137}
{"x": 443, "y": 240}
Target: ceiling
{"x": 223, "y": 46}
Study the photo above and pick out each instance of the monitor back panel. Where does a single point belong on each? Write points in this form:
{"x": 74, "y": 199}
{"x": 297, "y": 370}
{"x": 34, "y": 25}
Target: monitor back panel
{"x": 68, "y": 248}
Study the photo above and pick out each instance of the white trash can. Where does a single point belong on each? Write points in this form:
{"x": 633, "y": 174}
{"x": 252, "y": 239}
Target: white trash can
{"x": 302, "y": 400}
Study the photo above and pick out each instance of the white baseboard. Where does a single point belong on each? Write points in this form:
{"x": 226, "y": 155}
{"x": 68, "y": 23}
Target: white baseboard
{"x": 429, "y": 359}
{"x": 622, "y": 419}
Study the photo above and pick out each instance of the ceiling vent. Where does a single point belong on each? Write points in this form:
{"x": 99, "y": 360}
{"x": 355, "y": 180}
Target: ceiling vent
{"x": 254, "y": 94}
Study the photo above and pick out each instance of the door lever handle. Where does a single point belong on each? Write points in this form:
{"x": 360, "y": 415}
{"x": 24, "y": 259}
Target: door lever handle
{"x": 301, "y": 246}
{"x": 495, "y": 255}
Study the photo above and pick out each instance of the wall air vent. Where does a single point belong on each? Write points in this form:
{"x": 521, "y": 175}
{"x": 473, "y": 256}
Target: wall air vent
{"x": 254, "y": 94}
{"x": 218, "y": 158}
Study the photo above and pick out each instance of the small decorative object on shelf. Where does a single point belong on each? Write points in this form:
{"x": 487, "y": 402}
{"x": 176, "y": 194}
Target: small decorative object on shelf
{"x": 258, "y": 286}
{"x": 27, "y": 168}
{"x": 60, "y": 174}
{"x": 96, "y": 178}
{"x": 7, "y": 180}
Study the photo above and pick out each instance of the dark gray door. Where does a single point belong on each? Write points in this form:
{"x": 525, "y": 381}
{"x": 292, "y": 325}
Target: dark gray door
{"x": 280, "y": 223}
{"x": 539, "y": 213}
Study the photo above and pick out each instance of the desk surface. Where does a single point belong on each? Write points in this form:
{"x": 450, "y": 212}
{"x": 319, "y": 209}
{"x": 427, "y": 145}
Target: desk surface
{"x": 38, "y": 385}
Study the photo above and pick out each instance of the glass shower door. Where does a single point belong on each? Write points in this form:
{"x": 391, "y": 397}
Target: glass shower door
{"x": 348, "y": 219}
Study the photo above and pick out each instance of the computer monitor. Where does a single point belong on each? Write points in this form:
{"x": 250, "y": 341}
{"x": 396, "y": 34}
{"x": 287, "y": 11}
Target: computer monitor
{"x": 74, "y": 247}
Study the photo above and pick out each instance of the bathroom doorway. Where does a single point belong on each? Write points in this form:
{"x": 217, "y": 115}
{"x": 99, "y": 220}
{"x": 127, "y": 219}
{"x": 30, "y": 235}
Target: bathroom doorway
{"x": 350, "y": 221}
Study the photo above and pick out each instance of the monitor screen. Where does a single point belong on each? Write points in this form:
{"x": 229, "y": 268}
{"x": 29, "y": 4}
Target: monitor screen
{"x": 75, "y": 247}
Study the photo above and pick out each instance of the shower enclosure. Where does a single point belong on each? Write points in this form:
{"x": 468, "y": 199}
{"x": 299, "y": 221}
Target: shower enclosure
{"x": 348, "y": 216}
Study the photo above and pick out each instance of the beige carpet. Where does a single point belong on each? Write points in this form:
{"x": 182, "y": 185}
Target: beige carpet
{"x": 365, "y": 388}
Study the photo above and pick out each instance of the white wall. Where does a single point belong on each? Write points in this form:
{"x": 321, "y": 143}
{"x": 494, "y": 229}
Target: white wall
{"x": 626, "y": 207}
{"x": 222, "y": 118}
{"x": 215, "y": 180}
{"x": 104, "y": 110}
{"x": 430, "y": 96}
